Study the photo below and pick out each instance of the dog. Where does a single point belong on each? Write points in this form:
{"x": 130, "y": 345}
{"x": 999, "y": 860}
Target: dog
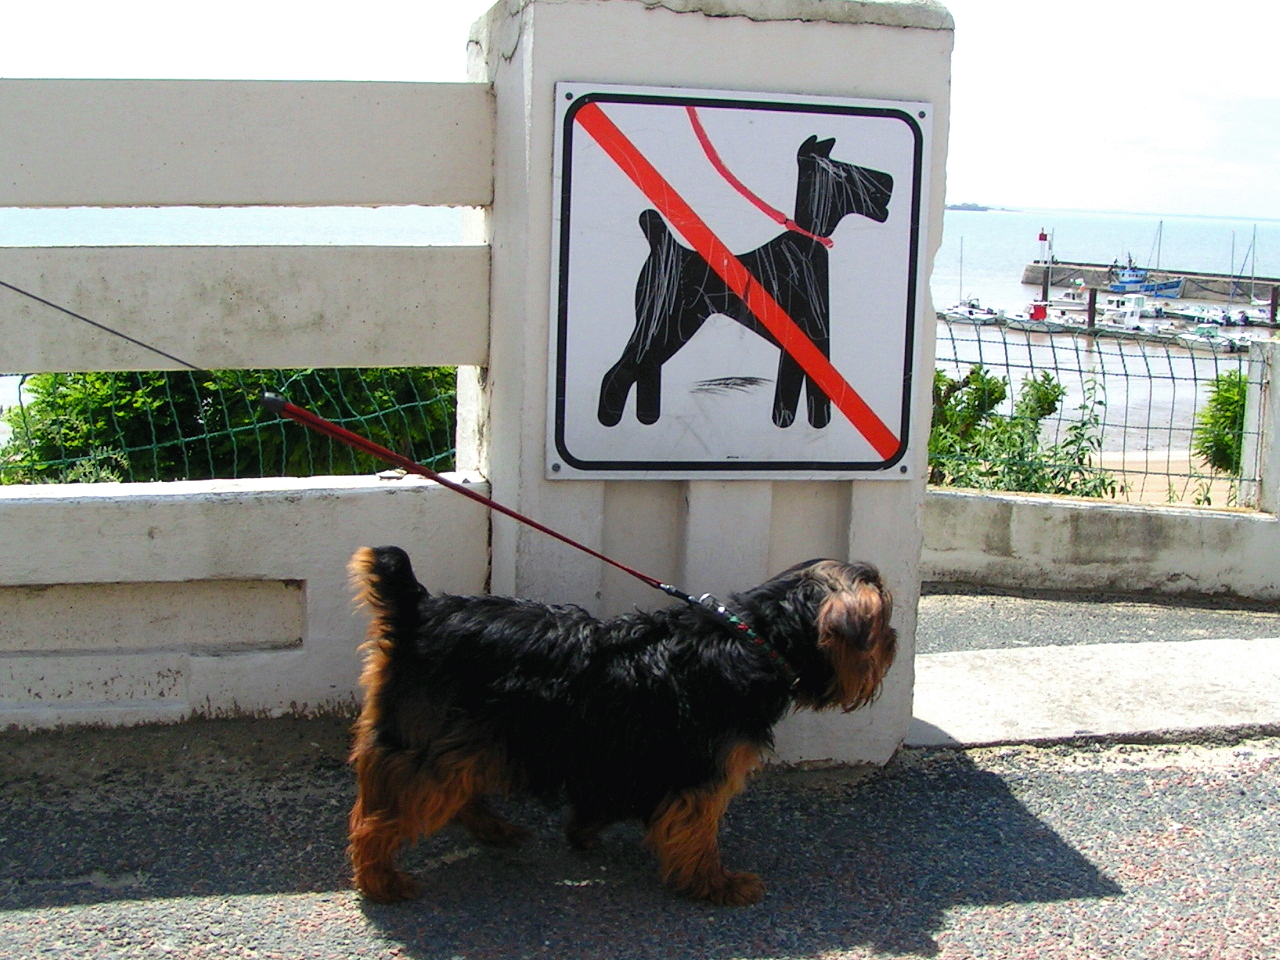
{"x": 656, "y": 716}
{"x": 677, "y": 290}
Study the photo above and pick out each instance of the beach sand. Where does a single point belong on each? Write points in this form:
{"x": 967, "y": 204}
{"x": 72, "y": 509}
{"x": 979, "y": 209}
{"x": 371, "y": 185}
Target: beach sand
{"x": 1164, "y": 476}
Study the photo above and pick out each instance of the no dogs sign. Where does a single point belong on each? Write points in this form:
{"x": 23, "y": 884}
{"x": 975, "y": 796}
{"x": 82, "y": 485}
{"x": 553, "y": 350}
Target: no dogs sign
{"x": 736, "y": 283}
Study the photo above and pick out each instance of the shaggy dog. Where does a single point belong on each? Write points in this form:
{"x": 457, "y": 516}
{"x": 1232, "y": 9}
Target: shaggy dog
{"x": 656, "y": 716}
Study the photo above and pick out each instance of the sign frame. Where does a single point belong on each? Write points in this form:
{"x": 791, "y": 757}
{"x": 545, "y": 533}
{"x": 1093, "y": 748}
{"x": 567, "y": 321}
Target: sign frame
{"x": 586, "y": 131}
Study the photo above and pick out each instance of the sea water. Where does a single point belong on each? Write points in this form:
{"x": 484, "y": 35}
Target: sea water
{"x": 983, "y": 252}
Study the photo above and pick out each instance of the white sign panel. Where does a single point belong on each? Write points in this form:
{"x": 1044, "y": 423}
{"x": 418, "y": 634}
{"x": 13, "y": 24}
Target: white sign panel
{"x": 736, "y": 283}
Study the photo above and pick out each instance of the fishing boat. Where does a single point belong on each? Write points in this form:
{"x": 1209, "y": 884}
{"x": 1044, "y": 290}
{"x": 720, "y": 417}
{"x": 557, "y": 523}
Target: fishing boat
{"x": 1129, "y": 279}
{"x": 1133, "y": 279}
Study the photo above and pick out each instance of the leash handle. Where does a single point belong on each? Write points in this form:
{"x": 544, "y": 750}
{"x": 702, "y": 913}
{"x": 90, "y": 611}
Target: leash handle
{"x": 274, "y": 403}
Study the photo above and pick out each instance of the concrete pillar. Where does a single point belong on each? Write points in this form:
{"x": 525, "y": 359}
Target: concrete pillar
{"x": 1260, "y": 453}
{"x": 705, "y": 535}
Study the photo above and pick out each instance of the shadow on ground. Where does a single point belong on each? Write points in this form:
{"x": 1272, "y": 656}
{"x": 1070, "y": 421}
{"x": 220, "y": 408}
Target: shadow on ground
{"x": 222, "y": 809}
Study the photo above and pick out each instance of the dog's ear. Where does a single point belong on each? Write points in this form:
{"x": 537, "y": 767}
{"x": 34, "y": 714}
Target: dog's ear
{"x": 851, "y": 616}
{"x": 813, "y": 147}
{"x": 816, "y": 147}
{"x": 854, "y": 633}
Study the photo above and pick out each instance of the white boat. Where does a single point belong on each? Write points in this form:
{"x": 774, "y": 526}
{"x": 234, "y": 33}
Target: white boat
{"x": 1073, "y": 298}
{"x": 970, "y": 310}
{"x": 1127, "y": 311}
{"x": 1196, "y": 313}
{"x": 1210, "y": 336}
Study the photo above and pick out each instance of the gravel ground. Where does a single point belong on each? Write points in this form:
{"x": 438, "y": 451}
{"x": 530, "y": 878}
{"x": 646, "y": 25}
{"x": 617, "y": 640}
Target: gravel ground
{"x": 225, "y": 839}
{"x": 962, "y": 619}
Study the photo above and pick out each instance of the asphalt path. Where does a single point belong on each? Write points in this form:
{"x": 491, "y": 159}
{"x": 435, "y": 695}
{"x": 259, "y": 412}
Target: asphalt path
{"x": 225, "y": 839}
{"x": 960, "y": 618}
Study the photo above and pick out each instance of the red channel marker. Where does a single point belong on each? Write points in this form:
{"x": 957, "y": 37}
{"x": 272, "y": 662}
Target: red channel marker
{"x": 738, "y": 278}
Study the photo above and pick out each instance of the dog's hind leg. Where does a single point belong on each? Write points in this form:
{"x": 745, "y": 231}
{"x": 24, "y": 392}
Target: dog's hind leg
{"x": 786, "y": 392}
{"x": 660, "y": 329}
{"x": 398, "y": 802}
{"x": 684, "y": 835}
{"x": 818, "y": 404}
{"x": 649, "y": 393}
{"x": 614, "y": 387}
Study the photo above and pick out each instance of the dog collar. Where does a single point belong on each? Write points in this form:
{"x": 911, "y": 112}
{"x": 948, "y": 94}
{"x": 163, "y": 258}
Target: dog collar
{"x": 743, "y": 628}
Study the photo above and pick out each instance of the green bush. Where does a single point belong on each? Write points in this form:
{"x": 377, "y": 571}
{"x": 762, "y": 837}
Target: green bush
{"x": 971, "y": 445}
{"x": 163, "y": 425}
{"x": 1218, "y": 435}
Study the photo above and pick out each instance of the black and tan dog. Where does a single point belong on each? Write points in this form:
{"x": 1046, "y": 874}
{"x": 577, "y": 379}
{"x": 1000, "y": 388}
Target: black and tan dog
{"x": 657, "y": 716}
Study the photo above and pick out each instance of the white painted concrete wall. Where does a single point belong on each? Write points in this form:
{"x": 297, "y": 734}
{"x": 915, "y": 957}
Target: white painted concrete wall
{"x": 1058, "y": 543}
{"x": 704, "y": 535}
{"x": 140, "y": 143}
{"x": 238, "y": 307}
{"x": 131, "y": 603}
{"x": 127, "y": 603}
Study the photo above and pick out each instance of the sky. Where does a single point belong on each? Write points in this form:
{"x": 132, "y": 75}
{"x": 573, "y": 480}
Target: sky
{"x": 1145, "y": 106}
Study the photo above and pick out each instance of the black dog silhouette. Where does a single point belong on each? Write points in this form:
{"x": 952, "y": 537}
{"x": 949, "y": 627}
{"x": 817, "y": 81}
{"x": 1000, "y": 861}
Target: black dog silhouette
{"x": 677, "y": 290}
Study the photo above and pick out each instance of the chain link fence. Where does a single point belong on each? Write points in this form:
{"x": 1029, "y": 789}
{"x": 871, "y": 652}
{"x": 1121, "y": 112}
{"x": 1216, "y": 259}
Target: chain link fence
{"x": 1141, "y": 417}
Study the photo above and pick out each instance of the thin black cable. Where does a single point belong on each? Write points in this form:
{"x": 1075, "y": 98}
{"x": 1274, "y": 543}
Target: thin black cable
{"x": 277, "y": 405}
{"x": 101, "y": 326}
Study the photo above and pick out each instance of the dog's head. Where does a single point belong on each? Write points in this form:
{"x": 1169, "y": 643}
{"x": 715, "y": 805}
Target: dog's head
{"x": 833, "y": 188}
{"x": 849, "y": 609}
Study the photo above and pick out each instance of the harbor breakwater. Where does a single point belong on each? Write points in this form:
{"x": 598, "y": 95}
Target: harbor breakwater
{"x": 1197, "y": 286}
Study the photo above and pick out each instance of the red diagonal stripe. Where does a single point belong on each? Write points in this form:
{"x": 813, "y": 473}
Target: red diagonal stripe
{"x": 737, "y": 277}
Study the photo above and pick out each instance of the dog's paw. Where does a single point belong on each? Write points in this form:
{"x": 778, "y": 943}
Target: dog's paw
{"x": 736, "y": 890}
{"x": 387, "y": 886}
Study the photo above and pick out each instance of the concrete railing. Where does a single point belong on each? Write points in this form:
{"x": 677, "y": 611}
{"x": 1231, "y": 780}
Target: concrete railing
{"x": 117, "y": 602}
{"x": 1019, "y": 540}
{"x": 131, "y": 602}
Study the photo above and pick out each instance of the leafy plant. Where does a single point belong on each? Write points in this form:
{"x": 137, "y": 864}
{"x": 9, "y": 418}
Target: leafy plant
{"x": 973, "y": 445}
{"x": 157, "y": 425}
{"x": 1218, "y": 435}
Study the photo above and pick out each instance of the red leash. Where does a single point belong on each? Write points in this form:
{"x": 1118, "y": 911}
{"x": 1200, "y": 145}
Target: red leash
{"x": 773, "y": 213}
{"x": 274, "y": 403}
{"x": 281, "y": 407}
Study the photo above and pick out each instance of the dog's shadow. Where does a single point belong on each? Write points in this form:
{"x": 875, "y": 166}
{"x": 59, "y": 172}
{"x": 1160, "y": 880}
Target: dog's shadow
{"x": 870, "y": 860}
{"x": 195, "y": 814}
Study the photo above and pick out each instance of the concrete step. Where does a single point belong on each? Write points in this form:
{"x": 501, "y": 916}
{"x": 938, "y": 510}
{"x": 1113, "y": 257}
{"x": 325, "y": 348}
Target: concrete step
{"x": 977, "y": 697}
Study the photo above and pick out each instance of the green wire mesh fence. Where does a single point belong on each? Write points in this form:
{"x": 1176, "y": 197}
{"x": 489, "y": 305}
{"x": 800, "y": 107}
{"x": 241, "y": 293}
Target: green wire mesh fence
{"x": 180, "y": 425}
{"x": 1035, "y": 409}
{"x": 1144, "y": 417}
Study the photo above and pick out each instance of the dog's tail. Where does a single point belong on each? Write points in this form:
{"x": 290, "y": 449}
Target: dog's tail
{"x": 383, "y": 580}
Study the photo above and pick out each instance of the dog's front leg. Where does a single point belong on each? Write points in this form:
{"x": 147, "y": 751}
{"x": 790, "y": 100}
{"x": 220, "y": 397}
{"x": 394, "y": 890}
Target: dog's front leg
{"x": 684, "y": 833}
{"x": 786, "y": 391}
